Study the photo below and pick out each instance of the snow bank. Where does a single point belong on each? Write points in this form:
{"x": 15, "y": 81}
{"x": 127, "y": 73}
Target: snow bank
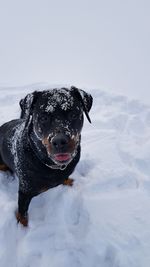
{"x": 104, "y": 220}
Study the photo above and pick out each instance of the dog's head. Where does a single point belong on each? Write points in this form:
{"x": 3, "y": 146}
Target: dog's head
{"x": 57, "y": 119}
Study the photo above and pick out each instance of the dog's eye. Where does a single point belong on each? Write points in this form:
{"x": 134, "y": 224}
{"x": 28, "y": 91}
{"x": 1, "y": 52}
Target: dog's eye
{"x": 44, "y": 118}
{"x": 73, "y": 115}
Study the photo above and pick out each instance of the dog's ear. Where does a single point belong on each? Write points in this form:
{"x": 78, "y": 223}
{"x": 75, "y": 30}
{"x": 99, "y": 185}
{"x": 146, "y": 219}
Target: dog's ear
{"x": 86, "y": 100}
{"x": 27, "y": 105}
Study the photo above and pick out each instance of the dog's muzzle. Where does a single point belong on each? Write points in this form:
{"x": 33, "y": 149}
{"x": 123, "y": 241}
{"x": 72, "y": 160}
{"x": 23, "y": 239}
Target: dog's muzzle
{"x": 61, "y": 148}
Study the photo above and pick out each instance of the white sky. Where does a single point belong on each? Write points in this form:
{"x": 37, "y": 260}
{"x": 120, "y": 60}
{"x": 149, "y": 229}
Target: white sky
{"x": 103, "y": 44}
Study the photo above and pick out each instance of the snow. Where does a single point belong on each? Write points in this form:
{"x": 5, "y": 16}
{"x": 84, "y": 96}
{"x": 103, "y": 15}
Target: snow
{"x": 61, "y": 98}
{"x": 14, "y": 142}
{"x": 104, "y": 219}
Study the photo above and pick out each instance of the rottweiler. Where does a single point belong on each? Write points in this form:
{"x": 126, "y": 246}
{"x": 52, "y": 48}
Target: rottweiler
{"x": 42, "y": 147}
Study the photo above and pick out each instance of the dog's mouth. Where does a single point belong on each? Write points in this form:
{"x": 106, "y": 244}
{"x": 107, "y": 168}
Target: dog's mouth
{"x": 62, "y": 157}
{"x": 60, "y": 149}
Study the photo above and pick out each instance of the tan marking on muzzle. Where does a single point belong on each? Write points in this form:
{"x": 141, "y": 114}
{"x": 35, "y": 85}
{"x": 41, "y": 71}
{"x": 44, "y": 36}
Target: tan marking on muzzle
{"x": 73, "y": 141}
{"x": 71, "y": 145}
{"x": 47, "y": 144}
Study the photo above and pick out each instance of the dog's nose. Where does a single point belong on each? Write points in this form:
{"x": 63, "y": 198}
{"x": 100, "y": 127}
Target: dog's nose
{"x": 60, "y": 142}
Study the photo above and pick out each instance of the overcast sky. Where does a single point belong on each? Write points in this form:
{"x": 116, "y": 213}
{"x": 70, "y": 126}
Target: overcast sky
{"x": 95, "y": 44}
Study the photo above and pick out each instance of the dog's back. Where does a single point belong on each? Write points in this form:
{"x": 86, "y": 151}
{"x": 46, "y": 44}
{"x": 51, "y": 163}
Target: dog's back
{"x": 7, "y": 139}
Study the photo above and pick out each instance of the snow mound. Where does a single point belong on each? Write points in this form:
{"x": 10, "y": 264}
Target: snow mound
{"x": 104, "y": 219}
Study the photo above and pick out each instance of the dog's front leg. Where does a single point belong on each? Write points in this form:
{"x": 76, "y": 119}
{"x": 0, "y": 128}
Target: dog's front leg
{"x": 23, "y": 205}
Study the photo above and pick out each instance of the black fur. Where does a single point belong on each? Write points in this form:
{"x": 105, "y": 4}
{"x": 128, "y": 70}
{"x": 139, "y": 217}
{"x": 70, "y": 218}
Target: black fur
{"x": 35, "y": 146}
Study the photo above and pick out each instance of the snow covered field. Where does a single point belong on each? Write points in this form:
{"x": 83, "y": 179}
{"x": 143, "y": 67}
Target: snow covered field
{"x": 104, "y": 219}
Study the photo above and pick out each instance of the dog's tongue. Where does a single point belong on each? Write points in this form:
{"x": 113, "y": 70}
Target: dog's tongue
{"x": 62, "y": 157}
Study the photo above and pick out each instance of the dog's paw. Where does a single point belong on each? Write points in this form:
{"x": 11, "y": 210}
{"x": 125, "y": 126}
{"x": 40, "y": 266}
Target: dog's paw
{"x": 68, "y": 182}
{"x": 22, "y": 219}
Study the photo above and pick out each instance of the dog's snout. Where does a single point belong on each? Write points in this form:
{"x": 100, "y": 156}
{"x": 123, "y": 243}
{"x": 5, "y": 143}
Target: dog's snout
{"x": 60, "y": 141}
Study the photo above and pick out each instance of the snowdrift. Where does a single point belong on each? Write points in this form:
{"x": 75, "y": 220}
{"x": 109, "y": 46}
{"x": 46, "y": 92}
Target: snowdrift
{"x": 104, "y": 220}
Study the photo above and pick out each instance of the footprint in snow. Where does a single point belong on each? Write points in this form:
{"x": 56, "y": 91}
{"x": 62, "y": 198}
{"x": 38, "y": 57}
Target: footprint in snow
{"x": 85, "y": 166}
{"x": 76, "y": 216}
{"x": 110, "y": 258}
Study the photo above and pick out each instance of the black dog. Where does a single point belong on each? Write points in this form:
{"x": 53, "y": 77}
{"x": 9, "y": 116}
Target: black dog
{"x": 43, "y": 146}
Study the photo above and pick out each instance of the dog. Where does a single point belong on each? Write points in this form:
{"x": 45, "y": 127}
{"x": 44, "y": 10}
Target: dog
{"x": 43, "y": 147}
